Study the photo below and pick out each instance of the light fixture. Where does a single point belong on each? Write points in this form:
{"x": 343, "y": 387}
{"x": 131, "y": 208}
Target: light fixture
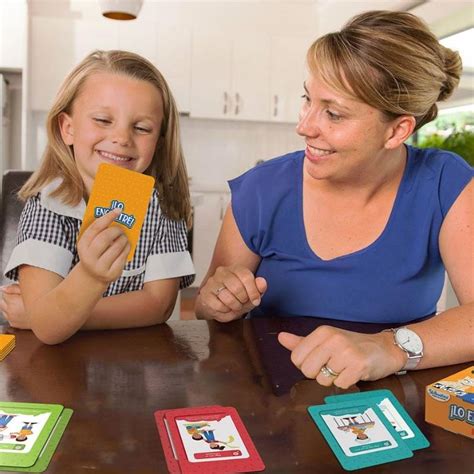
{"x": 120, "y": 9}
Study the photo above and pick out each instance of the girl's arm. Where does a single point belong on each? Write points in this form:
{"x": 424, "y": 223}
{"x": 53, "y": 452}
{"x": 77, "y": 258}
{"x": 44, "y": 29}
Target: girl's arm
{"x": 447, "y": 338}
{"x": 57, "y": 307}
{"x": 152, "y": 305}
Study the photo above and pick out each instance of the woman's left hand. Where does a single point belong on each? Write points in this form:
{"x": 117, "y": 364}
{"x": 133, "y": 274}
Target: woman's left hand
{"x": 336, "y": 356}
{"x": 11, "y": 304}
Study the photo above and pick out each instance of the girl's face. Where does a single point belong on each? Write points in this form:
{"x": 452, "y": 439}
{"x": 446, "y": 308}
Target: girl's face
{"x": 115, "y": 119}
{"x": 345, "y": 139}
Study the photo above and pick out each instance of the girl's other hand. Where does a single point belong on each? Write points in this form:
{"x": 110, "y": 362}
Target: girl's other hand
{"x": 13, "y": 308}
{"x": 232, "y": 292}
{"x": 350, "y": 356}
{"x": 103, "y": 249}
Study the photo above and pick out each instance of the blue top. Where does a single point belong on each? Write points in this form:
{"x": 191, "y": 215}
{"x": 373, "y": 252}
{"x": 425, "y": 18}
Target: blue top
{"x": 396, "y": 279}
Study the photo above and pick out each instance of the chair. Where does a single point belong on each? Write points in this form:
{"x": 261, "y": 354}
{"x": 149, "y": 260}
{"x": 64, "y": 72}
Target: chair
{"x": 11, "y": 208}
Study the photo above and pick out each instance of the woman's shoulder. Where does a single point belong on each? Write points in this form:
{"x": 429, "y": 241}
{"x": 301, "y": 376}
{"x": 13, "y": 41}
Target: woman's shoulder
{"x": 272, "y": 170}
{"x": 435, "y": 160}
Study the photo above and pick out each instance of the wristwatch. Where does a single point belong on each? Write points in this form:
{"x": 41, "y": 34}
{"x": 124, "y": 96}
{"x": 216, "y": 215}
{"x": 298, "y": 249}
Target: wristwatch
{"x": 409, "y": 342}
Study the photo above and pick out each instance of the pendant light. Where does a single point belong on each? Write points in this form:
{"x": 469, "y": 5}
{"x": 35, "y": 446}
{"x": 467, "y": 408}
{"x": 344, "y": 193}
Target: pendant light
{"x": 120, "y": 9}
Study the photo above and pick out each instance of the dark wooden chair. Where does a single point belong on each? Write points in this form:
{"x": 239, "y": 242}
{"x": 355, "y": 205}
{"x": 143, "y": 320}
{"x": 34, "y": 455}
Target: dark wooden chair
{"x": 11, "y": 208}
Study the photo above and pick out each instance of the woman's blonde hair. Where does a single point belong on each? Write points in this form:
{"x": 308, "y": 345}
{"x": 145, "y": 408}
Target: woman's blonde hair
{"x": 167, "y": 167}
{"x": 389, "y": 60}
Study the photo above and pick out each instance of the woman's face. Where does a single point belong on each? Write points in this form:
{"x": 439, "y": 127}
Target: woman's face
{"x": 344, "y": 138}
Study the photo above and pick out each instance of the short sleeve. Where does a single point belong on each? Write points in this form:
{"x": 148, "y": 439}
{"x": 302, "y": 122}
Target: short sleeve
{"x": 169, "y": 256}
{"x": 44, "y": 240}
{"x": 246, "y": 209}
{"x": 455, "y": 175}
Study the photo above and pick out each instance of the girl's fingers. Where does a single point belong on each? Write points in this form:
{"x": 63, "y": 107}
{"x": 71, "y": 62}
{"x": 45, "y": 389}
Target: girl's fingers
{"x": 114, "y": 252}
{"x": 104, "y": 240}
{"x": 99, "y": 225}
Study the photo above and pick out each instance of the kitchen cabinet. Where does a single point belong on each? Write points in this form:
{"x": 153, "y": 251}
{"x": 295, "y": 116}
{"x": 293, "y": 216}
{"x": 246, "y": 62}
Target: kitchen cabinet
{"x": 13, "y": 24}
{"x": 208, "y": 217}
{"x": 230, "y": 77}
{"x": 51, "y": 58}
{"x": 287, "y": 75}
{"x": 59, "y": 44}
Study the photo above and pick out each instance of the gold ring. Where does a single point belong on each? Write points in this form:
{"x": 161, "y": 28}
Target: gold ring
{"x": 328, "y": 372}
{"x": 219, "y": 290}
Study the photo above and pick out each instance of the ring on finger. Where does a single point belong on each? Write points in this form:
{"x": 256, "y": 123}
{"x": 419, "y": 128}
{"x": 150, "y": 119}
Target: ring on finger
{"x": 328, "y": 372}
{"x": 221, "y": 288}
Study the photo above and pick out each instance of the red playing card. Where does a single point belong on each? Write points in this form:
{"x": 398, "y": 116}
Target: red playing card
{"x": 206, "y": 440}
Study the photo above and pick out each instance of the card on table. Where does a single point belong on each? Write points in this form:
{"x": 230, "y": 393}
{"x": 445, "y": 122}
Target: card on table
{"x": 29, "y": 434}
{"x": 206, "y": 440}
{"x": 393, "y": 411}
{"x": 7, "y": 343}
{"x": 359, "y": 434}
{"x": 116, "y": 187}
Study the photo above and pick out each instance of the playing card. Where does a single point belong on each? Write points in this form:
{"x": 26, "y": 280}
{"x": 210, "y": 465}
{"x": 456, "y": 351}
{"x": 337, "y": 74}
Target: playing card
{"x": 392, "y": 410}
{"x": 116, "y": 187}
{"x": 206, "y": 439}
{"x": 359, "y": 434}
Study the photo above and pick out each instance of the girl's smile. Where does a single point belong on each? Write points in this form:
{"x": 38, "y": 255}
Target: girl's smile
{"x": 114, "y": 119}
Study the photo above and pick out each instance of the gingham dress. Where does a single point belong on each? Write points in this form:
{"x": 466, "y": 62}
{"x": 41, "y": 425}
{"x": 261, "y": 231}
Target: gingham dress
{"x": 47, "y": 237}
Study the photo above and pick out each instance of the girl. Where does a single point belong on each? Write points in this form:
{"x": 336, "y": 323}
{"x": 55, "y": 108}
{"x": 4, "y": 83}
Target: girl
{"x": 114, "y": 107}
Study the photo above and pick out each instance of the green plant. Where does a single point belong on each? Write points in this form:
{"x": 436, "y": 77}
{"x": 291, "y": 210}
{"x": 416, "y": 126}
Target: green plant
{"x": 461, "y": 142}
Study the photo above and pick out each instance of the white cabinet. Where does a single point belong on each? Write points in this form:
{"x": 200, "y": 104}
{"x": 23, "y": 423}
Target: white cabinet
{"x": 173, "y": 59}
{"x": 13, "y": 24}
{"x": 208, "y": 217}
{"x": 58, "y": 44}
{"x": 51, "y": 58}
{"x": 230, "y": 77}
{"x": 288, "y": 72}
{"x": 92, "y": 35}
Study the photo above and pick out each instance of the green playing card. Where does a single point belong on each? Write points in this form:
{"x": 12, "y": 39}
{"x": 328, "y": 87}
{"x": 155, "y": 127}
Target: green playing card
{"x": 359, "y": 434}
{"x": 393, "y": 411}
{"x": 25, "y": 429}
{"x": 46, "y": 454}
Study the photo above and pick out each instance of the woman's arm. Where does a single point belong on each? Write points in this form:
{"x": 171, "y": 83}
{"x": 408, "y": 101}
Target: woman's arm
{"x": 232, "y": 273}
{"x": 447, "y": 338}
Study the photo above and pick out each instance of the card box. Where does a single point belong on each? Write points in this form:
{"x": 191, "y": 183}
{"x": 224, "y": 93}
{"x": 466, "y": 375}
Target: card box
{"x": 449, "y": 403}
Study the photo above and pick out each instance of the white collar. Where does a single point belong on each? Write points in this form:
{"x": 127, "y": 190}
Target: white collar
{"x": 56, "y": 205}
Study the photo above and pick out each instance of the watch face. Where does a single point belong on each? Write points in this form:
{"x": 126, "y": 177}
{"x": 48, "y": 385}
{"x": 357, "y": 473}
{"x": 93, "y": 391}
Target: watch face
{"x": 409, "y": 340}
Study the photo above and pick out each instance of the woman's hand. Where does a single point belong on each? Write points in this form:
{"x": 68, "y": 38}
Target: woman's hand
{"x": 13, "y": 308}
{"x": 232, "y": 292}
{"x": 103, "y": 249}
{"x": 339, "y": 357}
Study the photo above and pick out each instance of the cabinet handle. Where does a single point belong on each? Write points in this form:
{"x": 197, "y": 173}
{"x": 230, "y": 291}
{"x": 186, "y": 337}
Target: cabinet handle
{"x": 237, "y": 103}
{"x": 221, "y": 214}
{"x": 226, "y": 100}
{"x": 275, "y": 105}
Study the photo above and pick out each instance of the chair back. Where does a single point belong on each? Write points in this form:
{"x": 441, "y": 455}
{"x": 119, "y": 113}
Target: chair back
{"x": 11, "y": 208}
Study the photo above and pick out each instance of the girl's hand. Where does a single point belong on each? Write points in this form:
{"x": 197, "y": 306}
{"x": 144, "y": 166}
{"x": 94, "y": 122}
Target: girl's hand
{"x": 232, "y": 292}
{"x": 351, "y": 356}
{"x": 13, "y": 308}
{"x": 103, "y": 249}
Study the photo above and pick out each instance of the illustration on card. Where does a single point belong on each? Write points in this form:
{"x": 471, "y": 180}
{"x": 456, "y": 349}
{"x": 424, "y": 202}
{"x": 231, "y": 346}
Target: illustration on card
{"x": 213, "y": 438}
{"x": 18, "y": 431}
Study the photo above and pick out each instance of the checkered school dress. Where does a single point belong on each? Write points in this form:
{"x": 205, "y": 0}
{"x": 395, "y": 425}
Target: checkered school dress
{"x": 47, "y": 237}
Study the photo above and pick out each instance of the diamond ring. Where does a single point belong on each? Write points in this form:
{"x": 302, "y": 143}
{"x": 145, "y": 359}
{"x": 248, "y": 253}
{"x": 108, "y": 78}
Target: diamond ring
{"x": 328, "y": 372}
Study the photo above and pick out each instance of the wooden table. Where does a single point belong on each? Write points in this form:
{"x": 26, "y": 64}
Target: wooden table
{"x": 115, "y": 380}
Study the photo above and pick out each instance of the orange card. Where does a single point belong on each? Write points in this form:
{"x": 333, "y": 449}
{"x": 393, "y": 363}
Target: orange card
{"x": 116, "y": 187}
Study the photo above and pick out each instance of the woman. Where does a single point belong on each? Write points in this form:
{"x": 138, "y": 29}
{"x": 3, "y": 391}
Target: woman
{"x": 358, "y": 226}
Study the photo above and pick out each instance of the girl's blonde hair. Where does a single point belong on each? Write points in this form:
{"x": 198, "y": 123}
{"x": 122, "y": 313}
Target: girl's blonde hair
{"x": 167, "y": 167}
{"x": 389, "y": 60}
